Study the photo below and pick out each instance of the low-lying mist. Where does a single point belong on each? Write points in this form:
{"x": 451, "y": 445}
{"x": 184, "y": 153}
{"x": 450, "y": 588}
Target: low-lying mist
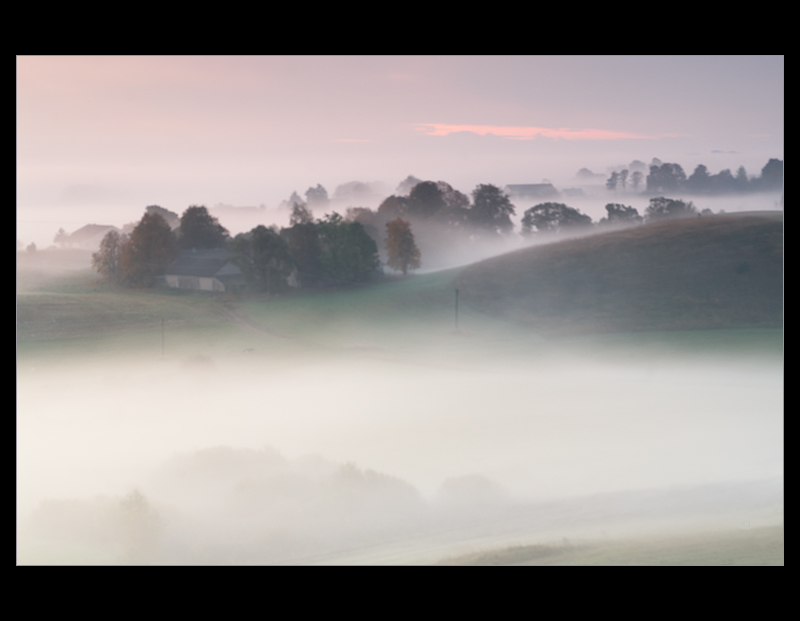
{"x": 381, "y": 453}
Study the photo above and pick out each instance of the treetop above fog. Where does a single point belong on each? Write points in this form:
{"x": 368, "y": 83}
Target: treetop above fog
{"x": 199, "y": 229}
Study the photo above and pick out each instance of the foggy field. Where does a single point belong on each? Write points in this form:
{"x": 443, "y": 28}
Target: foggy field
{"x": 358, "y": 426}
{"x": 762, "y": 546}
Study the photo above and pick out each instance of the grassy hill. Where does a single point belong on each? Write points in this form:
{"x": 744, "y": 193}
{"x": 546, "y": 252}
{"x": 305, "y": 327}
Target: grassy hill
{"x": 701, "y": 274}
{"x": 723, "y": 271}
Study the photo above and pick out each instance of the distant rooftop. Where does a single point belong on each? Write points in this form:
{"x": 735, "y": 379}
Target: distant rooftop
{"x": 90, "y": 231}
{"x": 532, "y": 190}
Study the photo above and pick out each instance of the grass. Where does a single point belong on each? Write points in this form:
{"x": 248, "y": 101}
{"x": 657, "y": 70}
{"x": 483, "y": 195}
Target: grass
{"x": 757, "y": 546}
{"x": 701, "y": 273}
{"x": 632, "y": 290}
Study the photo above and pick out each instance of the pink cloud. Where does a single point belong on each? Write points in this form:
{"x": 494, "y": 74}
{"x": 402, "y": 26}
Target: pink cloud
{"x": 529, "y": 133}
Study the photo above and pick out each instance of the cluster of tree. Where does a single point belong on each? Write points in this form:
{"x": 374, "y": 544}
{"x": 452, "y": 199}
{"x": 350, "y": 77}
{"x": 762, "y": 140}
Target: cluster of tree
{"x": 138, "y": 258}
{"x": 553, "y": 217}
{"x": 436, "y": 211}
{"x": 437, "y": 202}
{"x": 263, "y": 256}
{"x": 337, "y": 250}
{"x": 667, "y": 177}
{"x": 621, "y": 214}
{"x": 314, "y": 252}
{"x": 619, "y": 180}
{"x": 662, "y": 208}
{"x": 326, "y": 251}
{"x": 316, "y": 197}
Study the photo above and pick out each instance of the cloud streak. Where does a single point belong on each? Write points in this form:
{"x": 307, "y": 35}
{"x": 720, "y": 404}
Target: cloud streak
{"x": 529, "y": 133}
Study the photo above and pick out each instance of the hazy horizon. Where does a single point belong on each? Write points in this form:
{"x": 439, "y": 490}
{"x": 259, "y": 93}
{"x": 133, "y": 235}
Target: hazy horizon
{"x": 100, "y": 138}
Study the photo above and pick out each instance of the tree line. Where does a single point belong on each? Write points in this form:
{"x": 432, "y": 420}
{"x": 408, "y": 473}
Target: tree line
{"x": 333, "y": 250}
{"x": 315, "y": 252}
{"x": 670, "y": 177}
{"x": 340, "y": 250}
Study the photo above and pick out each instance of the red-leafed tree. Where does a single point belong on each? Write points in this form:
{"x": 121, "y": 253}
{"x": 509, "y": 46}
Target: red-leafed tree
{"x": 400, "y": 246}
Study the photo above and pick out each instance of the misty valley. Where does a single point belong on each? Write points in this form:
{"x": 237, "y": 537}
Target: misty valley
{"x": 358, "y": 424}
{"x": 400, "y": 310}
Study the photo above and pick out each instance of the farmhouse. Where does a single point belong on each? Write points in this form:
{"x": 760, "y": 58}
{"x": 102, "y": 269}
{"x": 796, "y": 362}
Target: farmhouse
{"x": 531, "y": 191}
{"x": 204, "y": 270}
{"x": 88, "y": 237}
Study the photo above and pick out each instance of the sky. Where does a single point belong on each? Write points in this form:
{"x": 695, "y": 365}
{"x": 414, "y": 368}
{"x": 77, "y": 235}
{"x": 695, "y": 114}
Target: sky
{"x": 100, "y": 138}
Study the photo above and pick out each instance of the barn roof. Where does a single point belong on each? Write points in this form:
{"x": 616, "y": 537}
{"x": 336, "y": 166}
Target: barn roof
{"x": 89, "y": 236}
{"x": 213, "y": 262}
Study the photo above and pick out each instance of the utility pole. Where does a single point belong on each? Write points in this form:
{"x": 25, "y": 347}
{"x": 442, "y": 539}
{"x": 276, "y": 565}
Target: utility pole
{"x": 456, "y": 310}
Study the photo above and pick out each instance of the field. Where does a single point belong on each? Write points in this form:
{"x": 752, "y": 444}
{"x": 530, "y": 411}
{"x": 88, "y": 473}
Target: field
{"x": 364, "y": 417}
{"x": 715, "y": 272}
{"x": 762, "y": 546}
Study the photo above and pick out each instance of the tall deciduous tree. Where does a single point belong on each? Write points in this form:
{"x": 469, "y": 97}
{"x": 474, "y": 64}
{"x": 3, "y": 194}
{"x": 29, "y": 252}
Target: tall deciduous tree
{"x": 636, "y": 180}
{"x": 553, "y": 217}
{"x": 108, "y": 259}
{"x": 426, "y": 200}
{"x": 348, "y": 253}
{"x": 621, "y": 214}
{"x": 400, "y": 246}
{"x": 665, "y": 177}
{"x": 723, "y": 182}
{"x": 662, "y": 208}
{"x": 318, "y": 196}
{"x": 171, "y": 217}
{"x": 199, "y": 229}
{"x": 772, "y": 175}
{"x": 301, "y": 214}
{"x": 491, "y": 209}
{"x": 407, "y": 184}
{"x": 700, "y": 180}
{"x": 151, "y": 248}
{"x": 394, "y": 207}
{"x": 742, "y": 181}
{"x": 302, "y": 240}
{"x": 612, "y": 181}
{"x": 263, "y": 256}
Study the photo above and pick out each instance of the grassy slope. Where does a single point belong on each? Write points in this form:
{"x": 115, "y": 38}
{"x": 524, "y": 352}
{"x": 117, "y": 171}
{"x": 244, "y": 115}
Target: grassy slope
{"x": 699, "y": 273}
{"x": 68, "y": 312}
{"x": 676, "y": 275}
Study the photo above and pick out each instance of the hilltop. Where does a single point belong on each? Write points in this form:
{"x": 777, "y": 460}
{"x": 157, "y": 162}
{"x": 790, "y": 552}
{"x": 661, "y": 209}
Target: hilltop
{"x": 722, "y": 271}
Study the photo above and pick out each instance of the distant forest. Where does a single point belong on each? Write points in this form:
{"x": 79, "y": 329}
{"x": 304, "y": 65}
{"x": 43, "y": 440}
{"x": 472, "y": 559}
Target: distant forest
{"x": 665, "y": 177}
